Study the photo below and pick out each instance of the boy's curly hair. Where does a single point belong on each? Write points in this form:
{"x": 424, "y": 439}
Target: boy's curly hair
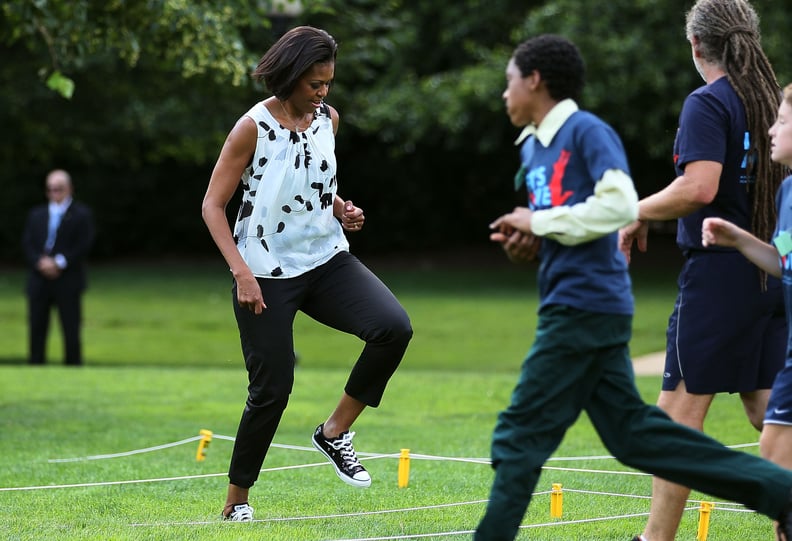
{"x": 557, "y": 60}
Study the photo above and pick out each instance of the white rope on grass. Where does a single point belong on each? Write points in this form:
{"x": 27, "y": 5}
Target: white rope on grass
{"x": 192, "y": 439}
{"x": 110, "y": 483}
{"x": 372, "y": 455}
{"x": 364, "y": 513}
{"x": 605, "y": 472}
{"x": 419, "y": 456}
{"x": 127, "y": 453}
{"x": 180, "y": 478}
{"x": 264, "y": 470}
{"x": 365, "y": 456}
{"x": 469, "y": 532}
{"x": 154, "y": 480}
{"x": 522, "y": 527}
{"x": 720, "y": 506}
{"x": 723, "y": 506}
{"x": 612, "y": 494}
{"x": 411, "y": 536}
{"x": 324, "y": 517}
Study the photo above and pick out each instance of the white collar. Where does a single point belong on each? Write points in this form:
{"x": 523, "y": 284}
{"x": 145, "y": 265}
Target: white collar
{"x": 551, "y": 123}
{"x": 61, "y": 207}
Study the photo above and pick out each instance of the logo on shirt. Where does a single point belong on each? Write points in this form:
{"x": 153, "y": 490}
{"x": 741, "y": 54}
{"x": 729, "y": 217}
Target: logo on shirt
{"x": 544, "y": 193}
{"x": 786, "y": 264}
{"x": 783, "y": 243}
{"x": 748, "y": 164}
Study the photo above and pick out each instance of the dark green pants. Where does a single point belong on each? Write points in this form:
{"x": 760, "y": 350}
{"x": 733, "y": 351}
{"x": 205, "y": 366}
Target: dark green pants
{"x": 580, "y": 361}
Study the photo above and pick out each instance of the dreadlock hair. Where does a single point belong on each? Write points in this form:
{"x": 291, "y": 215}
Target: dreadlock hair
{"x": 728, "y": 35}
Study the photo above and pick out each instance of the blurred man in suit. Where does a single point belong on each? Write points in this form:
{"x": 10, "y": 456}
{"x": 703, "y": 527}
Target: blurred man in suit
{"x": 57, "y": 238}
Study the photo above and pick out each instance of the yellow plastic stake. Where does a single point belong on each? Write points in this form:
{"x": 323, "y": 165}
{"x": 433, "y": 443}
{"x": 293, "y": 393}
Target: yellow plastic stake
{"x": 705, "y": 510}
{"x": 206, "y": 439}
{"x": 404, "y": 468}
{"x": 556, "y": 501}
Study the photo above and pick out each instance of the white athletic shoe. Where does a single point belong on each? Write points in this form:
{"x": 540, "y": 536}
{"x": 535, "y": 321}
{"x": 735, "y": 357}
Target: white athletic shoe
{"x": 241, "y": 512}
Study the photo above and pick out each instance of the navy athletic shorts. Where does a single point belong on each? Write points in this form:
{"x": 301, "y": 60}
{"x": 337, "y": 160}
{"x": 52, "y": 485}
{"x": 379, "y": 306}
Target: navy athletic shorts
{"x": 725, "y": 334}
{"x": 779, "y": 408}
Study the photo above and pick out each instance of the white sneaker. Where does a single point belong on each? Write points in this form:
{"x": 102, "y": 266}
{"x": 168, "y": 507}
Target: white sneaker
{"x": 241, "y": 512}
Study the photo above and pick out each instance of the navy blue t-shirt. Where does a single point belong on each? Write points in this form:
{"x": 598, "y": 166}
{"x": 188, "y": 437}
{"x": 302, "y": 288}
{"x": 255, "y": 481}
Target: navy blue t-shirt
{"x": 591, "y": 276}
{"x": 712, "y": 127}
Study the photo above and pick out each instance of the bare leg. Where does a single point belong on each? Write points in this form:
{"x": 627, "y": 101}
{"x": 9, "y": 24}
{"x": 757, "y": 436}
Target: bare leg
{"x": 775, "y": 445}
{"x": 346, "y": 412}
{"x": 235, "y": 496}
{"x": 669, "y": 499}
{"x": 755, "y": 404}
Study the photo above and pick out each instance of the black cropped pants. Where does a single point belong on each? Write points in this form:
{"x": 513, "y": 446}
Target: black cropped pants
{"x": 342, "y": 294}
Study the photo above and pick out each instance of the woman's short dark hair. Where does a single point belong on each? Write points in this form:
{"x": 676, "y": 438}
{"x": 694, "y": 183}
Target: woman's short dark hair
{"x": 557, "y": 60}
{"x": 291, "y": 56}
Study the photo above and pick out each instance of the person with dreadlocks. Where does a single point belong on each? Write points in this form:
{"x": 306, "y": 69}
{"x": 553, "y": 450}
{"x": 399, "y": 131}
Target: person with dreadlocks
{"x": 774, "y": 258}
{"x": 727, "y": 331}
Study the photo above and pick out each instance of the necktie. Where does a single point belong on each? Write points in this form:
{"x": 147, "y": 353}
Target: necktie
{"x": 52, "y": 229}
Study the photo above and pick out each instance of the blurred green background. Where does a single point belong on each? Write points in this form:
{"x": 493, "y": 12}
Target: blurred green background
{"x": 424, "y": 145}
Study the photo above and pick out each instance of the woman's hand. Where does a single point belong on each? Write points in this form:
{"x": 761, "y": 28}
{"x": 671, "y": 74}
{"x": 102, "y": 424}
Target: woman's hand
{"x": 249, "y": 292}
{"x": 352, "y": 217}
{"x": 636, "y": 232}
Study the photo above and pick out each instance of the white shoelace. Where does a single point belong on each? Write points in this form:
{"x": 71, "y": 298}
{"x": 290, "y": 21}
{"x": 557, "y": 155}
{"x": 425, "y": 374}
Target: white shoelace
{"x": 241, "y": 514}
{"x": 344, "y": 446}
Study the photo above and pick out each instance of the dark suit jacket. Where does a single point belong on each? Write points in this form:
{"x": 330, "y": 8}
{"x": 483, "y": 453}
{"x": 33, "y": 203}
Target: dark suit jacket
{"x": 74, "y": 240}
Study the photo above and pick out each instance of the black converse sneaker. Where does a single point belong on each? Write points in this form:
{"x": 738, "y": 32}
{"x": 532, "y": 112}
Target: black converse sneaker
{"x": 341, "y": 454}
{"x": 240, "y": 512}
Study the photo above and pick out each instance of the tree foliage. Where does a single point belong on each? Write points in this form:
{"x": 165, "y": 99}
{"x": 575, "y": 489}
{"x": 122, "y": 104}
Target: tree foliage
{"x": 135, "y": 97}
{"x": 185, "y": 37}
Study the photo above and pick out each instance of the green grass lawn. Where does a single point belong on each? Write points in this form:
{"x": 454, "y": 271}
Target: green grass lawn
{"x": 60, "y": 413}
{"x": 179, "y": 314}
{"x": 163, "y": 362}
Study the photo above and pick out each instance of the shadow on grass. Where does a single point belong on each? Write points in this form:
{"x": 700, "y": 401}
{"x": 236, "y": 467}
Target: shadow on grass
{"x": 104, "y": 363}
{"x": 12, "y": 360}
